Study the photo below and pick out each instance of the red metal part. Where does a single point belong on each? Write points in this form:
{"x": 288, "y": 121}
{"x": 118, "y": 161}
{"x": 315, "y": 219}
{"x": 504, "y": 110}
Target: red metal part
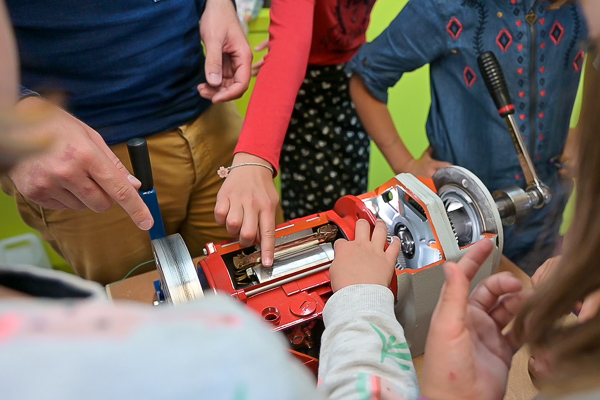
{"x": 293, "y": 307}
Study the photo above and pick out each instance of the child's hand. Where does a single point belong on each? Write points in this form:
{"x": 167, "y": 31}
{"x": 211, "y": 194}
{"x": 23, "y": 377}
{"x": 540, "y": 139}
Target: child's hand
{"x": 258, "y": 65}
{"x": 364, "y": 261}
{"x": 425, "y": 166}
{"x": 585, "y": 310}
{"x": 467, "y": 357}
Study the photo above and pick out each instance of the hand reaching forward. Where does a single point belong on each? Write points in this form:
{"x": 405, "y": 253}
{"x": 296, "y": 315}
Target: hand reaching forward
{"x": 365, "y": 259}
{"x": 467, "y": 356}
{"x": 247, "y": 204}
{"x": 77, "y": 171}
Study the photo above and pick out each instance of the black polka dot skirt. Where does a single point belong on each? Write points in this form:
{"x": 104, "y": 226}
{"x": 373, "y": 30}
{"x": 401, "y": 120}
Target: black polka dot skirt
{"x": 325, "y": 154}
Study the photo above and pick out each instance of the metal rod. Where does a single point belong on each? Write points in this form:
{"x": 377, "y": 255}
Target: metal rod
{"x": 527, "y": 166}
{"x": 286, "y": 280}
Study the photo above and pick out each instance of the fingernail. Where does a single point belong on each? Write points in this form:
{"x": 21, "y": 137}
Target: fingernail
{"x": 214, "y": 78}
{"x": 134, "y": 181}
{"x": 268, "y": 261}
{"x": 146, "y": 224}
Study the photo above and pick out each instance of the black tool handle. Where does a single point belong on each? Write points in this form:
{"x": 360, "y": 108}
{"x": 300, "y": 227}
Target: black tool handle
{"x": 140, "y": 160}
{"x": 495, "y": 82}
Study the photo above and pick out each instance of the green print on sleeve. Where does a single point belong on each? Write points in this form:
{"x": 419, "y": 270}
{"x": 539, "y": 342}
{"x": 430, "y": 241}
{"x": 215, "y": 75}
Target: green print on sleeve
{"x": 361, "y": 387}
{"x": 398, "y": 352}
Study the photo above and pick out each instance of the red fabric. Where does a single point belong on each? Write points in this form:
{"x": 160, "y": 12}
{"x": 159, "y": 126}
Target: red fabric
{"x": 339, "y": 31}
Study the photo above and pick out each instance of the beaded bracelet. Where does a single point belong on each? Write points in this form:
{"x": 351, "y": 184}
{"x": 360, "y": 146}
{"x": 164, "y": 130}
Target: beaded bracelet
{"x": 223, "y": 172}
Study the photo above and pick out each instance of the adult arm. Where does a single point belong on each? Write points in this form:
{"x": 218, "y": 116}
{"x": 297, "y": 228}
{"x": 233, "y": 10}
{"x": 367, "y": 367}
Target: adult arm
{"x": 78, "y": 170}
{"x": 248, "y": 199}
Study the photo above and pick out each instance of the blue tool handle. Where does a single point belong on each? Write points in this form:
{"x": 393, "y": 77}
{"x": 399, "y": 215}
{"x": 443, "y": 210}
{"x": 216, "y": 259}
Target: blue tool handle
{"x": 158, "y": 229}
{"x": 142, "y": 169}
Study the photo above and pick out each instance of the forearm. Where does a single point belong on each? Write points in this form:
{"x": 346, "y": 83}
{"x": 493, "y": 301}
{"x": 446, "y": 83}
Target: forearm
{"x": 379, "y": 124}
{"x": 363, "y": 346}
{"x": 279, "y": 80}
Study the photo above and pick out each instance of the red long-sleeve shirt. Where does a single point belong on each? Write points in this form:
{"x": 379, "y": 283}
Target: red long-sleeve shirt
{"x": 302, "y": 32}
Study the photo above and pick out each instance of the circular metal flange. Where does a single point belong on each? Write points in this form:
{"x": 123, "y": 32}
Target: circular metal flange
{"x": 178, "y": 276}
{"x": 458, "y": 184}
{"x": 463, "y": 214}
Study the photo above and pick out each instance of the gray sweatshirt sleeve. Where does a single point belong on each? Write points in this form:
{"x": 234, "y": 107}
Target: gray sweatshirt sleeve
{"x": 364, "y": 354}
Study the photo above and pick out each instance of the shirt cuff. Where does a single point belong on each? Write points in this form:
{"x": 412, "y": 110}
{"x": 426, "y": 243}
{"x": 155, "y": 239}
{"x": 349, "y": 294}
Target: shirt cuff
{"x": 27, "y": 93}
{"x": 354, "y": 300}
{"x": 360, "y": 66}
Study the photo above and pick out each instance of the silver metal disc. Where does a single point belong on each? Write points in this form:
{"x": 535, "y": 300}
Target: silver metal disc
{"x": 460, "y": 183}
{"x": 178, "y": 276}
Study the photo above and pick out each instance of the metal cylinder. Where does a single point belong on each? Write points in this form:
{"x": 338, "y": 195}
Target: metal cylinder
{"x": 462, "y": 225}
{"x": 514, "y": 204}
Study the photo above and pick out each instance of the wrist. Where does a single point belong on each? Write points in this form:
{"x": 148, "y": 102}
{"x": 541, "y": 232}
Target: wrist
{"x": 28, "y": 103}
{"x": 405, "y": 167}
{"x": 240, "y": 158}
{"x": 245, "y": 160}
{"x": 229, "y": 4}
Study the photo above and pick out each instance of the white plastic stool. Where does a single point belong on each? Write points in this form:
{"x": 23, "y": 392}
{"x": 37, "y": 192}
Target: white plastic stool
{"x": 24, "y": 249}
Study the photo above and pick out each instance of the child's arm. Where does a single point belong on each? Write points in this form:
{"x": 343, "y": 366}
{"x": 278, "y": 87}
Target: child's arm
{"x": 247, "y": 201}
{"x": 363, "y": 350}
{"x": 377, "y": 120}
{"x": 416, "y": 37}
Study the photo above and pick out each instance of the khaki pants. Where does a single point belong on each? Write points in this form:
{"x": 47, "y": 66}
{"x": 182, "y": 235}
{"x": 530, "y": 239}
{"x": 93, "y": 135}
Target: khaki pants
{"x": 105, "y": 247}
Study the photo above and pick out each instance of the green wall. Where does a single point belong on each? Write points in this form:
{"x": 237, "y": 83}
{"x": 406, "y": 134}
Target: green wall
{"x": 409, "y": 102}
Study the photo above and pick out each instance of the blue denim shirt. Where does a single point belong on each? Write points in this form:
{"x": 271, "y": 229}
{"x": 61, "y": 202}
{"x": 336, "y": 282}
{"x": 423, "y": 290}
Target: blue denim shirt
{"x": 539, "y": 51}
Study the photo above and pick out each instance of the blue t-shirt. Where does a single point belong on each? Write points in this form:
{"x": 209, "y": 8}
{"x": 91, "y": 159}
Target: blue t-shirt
{"x": 127, "y": 68}
{"x": 539, "y": 51}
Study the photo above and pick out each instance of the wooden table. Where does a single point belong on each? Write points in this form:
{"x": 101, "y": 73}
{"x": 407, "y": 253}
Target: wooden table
{"x": 140, "y": 288}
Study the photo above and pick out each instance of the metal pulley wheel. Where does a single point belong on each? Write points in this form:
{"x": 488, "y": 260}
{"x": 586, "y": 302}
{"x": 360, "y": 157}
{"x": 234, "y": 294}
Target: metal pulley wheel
{"x": 178, "y": 276}
{"x": 470, "y": 207}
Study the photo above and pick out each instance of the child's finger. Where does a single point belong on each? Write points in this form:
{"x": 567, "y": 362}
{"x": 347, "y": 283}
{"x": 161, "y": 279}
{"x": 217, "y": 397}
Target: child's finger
{"x": 508, "y": 307}
{"x": 475, "y": 257}
{"x": 380, "y": 234}
{"x": 590, "y": 307}
{"x": 339, "y": 243}
{"x": 362, "y": 232}
{"x": 393, "y": 250}
{"x": 485, "y": 296}
{"x": 262, "y": 45}
{"x": 451, "y": 308}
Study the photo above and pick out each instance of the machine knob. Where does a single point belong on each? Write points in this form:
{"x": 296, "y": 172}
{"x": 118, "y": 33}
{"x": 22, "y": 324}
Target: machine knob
{"x": 407, "y": 240}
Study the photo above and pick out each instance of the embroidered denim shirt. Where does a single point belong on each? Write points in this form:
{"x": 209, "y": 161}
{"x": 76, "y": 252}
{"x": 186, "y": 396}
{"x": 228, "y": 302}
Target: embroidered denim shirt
{"x": 539, "y": 51}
